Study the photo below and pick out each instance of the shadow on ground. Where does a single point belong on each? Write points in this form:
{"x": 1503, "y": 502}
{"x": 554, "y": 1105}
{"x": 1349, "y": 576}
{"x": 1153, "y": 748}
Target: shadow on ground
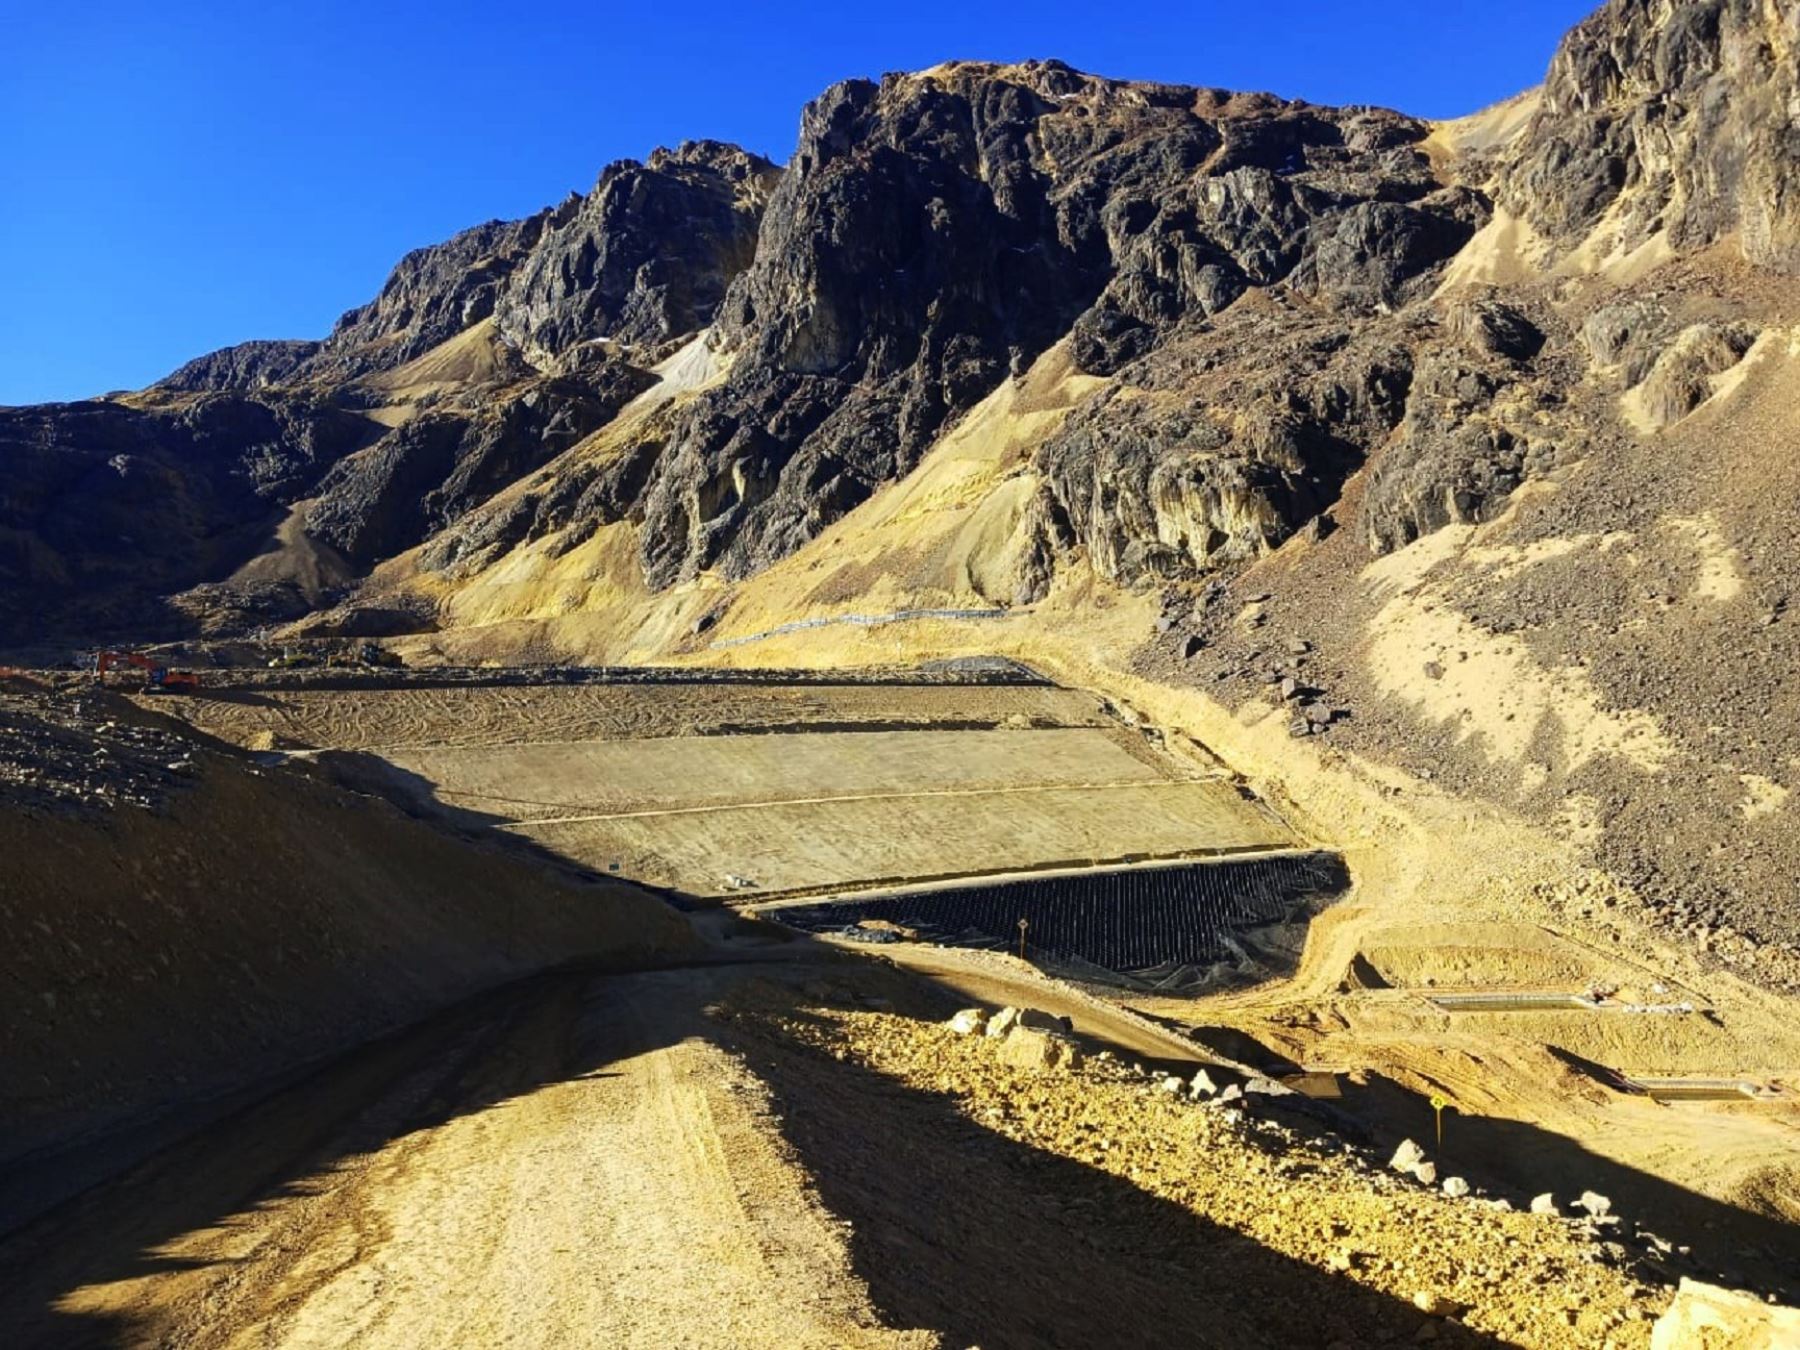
{"x": 996, "y": 1243}
{"x": 1727, "y": 1244}
{"x": 955, "y": 1228}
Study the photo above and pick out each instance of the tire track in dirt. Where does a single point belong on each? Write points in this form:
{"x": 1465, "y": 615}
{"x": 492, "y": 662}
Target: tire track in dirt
{"x": 573, "y": 1164}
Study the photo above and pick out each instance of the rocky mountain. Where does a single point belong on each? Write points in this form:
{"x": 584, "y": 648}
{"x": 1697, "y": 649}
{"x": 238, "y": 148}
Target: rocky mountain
{"x": 1680, "y": 119}
{"x": 934, "y": 234}
{"x": 481, "y": 358}
{"x": 931, "y": 237}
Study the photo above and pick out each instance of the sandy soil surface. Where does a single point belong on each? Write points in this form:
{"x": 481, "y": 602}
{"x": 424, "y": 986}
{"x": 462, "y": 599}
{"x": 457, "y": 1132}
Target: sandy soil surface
{"x": 547, "y": 782}
{"x": 180, "y": 921}
{"x": 571, "y": 1163}
{"x": 1452, "y": 892}
{"x": 795, "y": 789}
{"x": 1506, "y": 907}
{"x": 786, "y": 848}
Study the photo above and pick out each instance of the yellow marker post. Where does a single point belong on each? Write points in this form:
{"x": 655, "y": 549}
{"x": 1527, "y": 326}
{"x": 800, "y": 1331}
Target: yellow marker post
{"x": 1438, "y": 1104}
{"x": 1023, "y": 925}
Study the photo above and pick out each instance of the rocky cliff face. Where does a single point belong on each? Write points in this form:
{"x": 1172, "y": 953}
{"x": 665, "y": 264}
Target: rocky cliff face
{"x": 249, "y": 365}
{"x": 429, "y": 472}
{"x": 936, "y": 232}
{"x": 492, "y": 351}
{"x": 1679, "y": 117}
{"x": 643, "y": 258}
{"x": 105, "y": 509}
{"x": 610, "y": 265}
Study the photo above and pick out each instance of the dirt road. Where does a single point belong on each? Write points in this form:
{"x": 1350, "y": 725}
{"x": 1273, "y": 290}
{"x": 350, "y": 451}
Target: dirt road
{"x": 571, "y": 1163}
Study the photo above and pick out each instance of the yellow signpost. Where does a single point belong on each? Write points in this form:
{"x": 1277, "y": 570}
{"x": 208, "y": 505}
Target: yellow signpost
{"x": 1438, "y": 1103}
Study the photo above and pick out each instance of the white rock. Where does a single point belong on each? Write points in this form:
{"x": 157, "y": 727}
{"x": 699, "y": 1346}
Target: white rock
{"x": 1172, "y": 1084}
{"x": 1407, "y": 1157}
{"x": 1704, "y": 1314}
{"x": 1455, "y": 1187}
{"x": 1003, "y": 1021}
{"x": 968, "y": 1022}
{"x": 1594, "y": 1203}
{"x": 1544, "y": 1204}
{"x": 1202, "y": 1085}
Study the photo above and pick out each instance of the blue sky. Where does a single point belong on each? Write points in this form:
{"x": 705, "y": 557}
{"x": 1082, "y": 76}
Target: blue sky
{"x": 174, "y": 178}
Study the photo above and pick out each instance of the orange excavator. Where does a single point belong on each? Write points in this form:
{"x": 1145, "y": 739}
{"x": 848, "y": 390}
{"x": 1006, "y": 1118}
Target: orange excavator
{"x": 158, "y": 678}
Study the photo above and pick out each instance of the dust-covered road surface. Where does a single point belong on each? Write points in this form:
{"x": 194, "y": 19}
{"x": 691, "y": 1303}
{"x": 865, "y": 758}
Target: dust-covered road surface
{"x": 570, "y": 1163}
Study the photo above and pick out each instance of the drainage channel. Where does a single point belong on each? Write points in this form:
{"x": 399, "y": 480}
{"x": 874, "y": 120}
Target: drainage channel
{"x": 1706, "y": 1089}
{"x": 1545, "y": 1001}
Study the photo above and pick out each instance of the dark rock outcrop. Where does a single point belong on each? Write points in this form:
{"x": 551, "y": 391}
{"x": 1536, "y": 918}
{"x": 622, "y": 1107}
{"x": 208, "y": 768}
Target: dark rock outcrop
{"x": 422, "y": 476}
{"x": 108, "y": 508}
{"x": 1681, "y": 378}
{"x": 936, "y": 232}
{"x": 1198, "y": 458}
{"x": 1675, "y": 115}
{"x": 104, "y": 508}
{"x": 645, "y": 257}
{"x": 434, "y": 294}
{"x": 249, "y": 365}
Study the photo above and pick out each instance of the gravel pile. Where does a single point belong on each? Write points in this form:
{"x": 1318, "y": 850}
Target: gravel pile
{"x": 1472, "y": 1266}
{"x": 75, "y": 753}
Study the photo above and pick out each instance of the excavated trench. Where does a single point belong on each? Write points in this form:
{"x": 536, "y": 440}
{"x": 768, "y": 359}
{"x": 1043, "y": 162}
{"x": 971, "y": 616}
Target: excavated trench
{"x": 1129, "y": 919}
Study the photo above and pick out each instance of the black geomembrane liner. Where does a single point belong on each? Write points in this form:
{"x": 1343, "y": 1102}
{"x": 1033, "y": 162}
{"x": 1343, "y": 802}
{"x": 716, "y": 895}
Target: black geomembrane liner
{"x": 1123, "y": 920}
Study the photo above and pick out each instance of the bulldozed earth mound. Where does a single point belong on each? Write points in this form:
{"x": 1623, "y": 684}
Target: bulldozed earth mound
{"x": 182, "y": 921}
{"x": 632, "y": 1158}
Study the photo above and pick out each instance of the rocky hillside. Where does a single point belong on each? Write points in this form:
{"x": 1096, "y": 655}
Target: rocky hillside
{"x": 1255, "y": 276}
{"x": 481, "y": 358}
{"x": 1255, "y": 273}
{"x": 1676, "y": 119}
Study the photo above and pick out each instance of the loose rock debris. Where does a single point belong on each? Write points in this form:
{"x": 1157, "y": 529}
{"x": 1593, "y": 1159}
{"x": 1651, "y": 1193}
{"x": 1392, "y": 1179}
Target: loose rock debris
{"x": 1459, "y": 1259}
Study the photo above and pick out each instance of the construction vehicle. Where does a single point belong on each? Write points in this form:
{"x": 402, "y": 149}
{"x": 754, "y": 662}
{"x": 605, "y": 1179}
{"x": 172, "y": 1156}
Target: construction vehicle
{"x": 370, "y": 654}
{"x": 158, "y": 678}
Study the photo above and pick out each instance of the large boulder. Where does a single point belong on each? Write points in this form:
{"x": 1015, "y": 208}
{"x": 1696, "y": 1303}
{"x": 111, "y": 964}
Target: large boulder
{"x": 1706, "y": 1317}
{"x": 1033, "y": 1048}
